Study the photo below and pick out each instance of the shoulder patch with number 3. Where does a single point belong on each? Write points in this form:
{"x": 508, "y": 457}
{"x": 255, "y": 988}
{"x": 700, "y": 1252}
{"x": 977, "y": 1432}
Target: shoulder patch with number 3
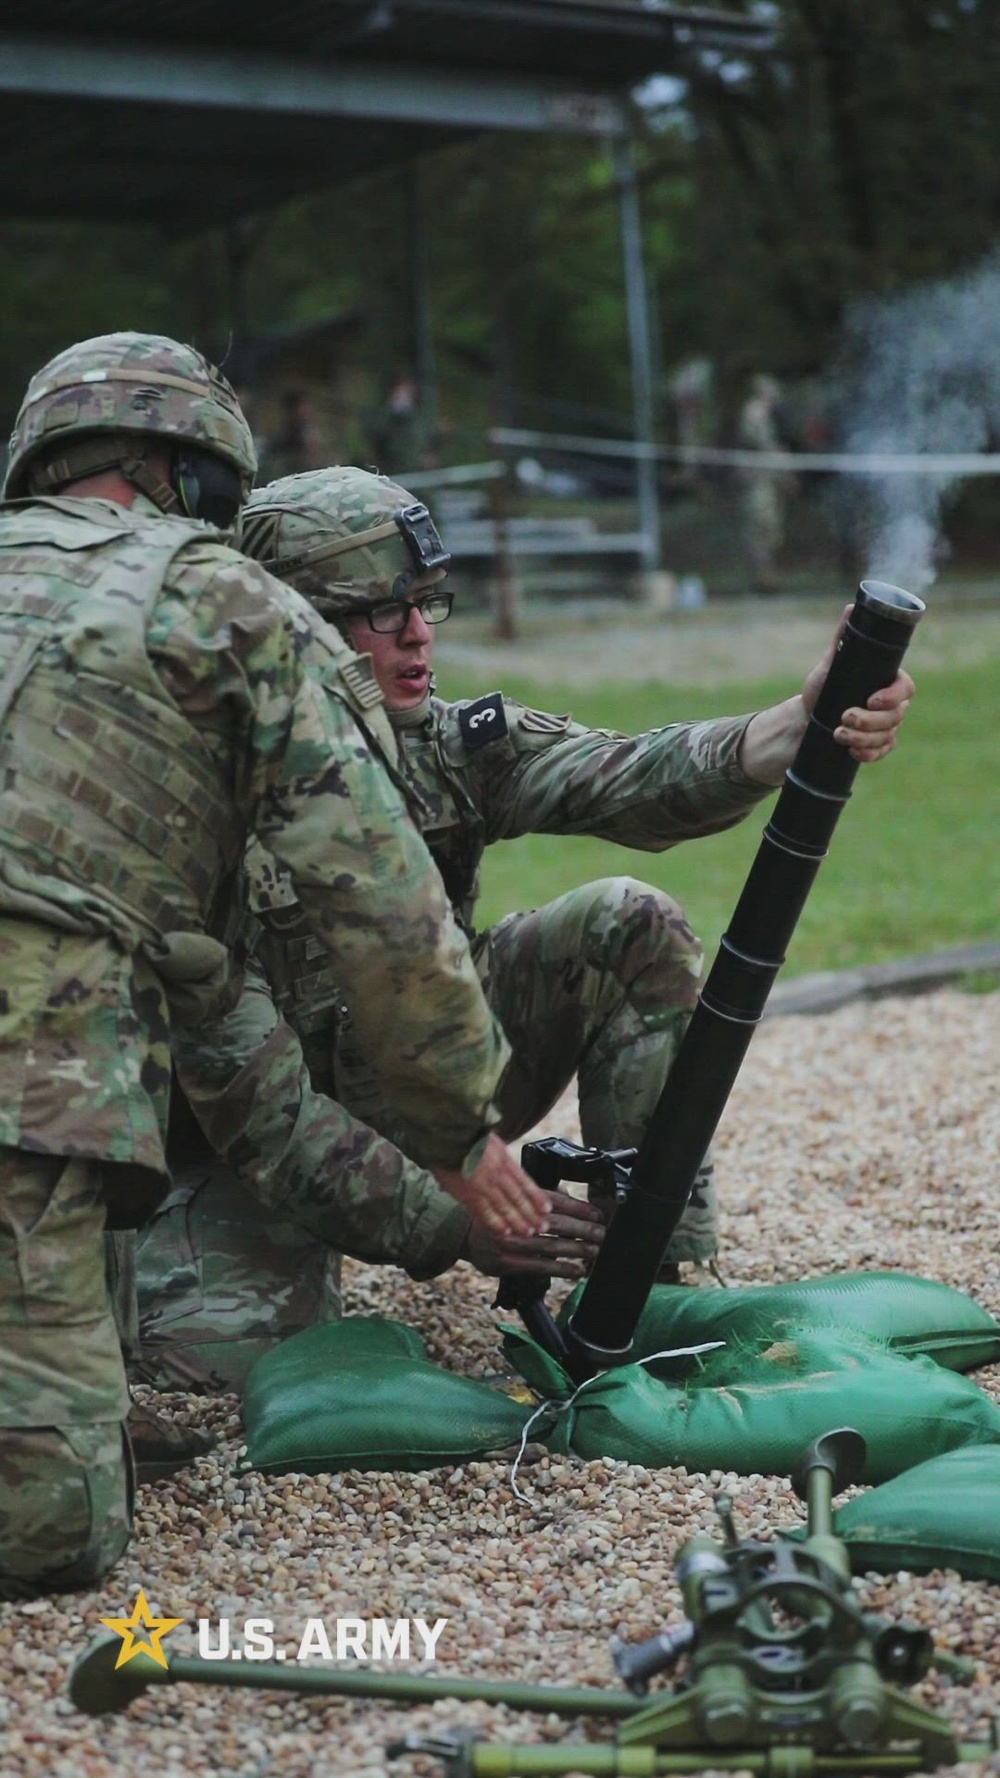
{"x": 483, "y": 722}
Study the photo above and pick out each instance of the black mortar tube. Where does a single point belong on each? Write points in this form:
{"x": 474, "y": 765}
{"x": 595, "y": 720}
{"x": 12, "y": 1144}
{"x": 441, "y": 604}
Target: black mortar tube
{"x": 816, "y": 787}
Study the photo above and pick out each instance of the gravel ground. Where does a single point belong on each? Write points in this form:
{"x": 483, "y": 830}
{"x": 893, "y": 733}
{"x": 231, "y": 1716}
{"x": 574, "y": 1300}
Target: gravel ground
{"x": 864, "y": 1138}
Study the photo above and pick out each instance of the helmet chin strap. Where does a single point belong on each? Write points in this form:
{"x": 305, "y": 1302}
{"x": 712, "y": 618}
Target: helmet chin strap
{"x": 92, "y": 456}
{"x": 136, "y": 470}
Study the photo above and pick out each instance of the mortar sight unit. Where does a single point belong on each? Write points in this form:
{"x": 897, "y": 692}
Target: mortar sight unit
{"x": 655, "y": 1189}
{"x": 783, "y": 1674}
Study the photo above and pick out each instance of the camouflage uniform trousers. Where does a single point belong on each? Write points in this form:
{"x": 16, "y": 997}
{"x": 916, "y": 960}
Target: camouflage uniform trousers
{"x": 762, "y": 504}
{"x": 598, "y": 984}
{"x": 65, "y": 1470}
{"x": 220, "y": 1279}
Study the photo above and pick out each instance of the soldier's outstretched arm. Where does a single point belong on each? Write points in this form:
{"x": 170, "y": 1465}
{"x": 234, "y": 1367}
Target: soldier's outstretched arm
{"x": 548, "y": 774}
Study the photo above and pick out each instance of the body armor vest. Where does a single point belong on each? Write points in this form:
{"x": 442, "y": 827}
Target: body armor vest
{"x": 111, "y": 804}
{"x": 301, "y": 970}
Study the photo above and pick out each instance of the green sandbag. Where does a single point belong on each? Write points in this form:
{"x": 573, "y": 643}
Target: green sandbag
{"x": 914, "y": 1315}
{"x": 906, "y": 1408}
{"x": 361, "y": 1394}
{"x": 943, "y": 1514}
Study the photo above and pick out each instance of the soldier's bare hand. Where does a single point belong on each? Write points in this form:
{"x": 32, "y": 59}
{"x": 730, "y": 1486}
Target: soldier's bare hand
{"x": 499, "y": 1193}
{"x": 868, "y": 734}
{"x": 566, "y": 1250}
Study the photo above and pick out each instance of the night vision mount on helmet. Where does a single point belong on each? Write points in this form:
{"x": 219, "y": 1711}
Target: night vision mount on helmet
{"x": 103, "y": 403}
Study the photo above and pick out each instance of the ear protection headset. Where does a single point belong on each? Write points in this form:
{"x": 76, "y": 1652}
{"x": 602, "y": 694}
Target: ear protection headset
{"x": 206, "y": 487}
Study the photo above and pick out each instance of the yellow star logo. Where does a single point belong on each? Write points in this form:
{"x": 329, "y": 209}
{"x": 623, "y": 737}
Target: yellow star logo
{"x": 134, "y": 1644}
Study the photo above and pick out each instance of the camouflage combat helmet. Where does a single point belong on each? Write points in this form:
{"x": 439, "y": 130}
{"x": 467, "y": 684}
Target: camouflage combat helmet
{"x": 97, "y": 406}
{"x": 345, "y": 538}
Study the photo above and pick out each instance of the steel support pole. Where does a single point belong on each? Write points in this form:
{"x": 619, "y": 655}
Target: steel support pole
{"x": 637, "y": 313}
{"x": 239, "y": 251}
{"x": 419, "y": 293}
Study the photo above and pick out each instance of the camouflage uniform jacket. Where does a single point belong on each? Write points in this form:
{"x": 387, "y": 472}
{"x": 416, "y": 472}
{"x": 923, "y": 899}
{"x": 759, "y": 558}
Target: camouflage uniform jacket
{"x": 264, "y": 702}
{"x": 262, "y": 1089}
{"x": 491, "y": 769}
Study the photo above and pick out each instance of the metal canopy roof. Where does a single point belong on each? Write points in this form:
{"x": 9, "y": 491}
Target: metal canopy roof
{"x": 188, "y": 114}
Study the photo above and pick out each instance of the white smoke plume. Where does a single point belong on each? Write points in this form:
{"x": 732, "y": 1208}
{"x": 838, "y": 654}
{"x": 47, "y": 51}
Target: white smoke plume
{"x": 921, "y": 373}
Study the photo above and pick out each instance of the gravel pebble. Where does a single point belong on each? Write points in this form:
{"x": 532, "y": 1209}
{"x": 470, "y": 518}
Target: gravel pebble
{"x": 866, "y": 1138}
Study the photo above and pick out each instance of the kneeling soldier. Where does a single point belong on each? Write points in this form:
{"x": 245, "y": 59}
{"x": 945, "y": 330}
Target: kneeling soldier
{"x": 162, "y": 698}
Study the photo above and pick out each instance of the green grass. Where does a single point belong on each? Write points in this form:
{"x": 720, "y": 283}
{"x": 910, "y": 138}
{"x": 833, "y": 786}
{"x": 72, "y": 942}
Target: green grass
{"x": 914, "y": 865}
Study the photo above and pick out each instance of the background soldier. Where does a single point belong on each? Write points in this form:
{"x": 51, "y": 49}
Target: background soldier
{"x": 160, "y": 697}
{"x": 296, "y": 445}
{"x": 600, "y": 983}
{"x": 764, "y": 492}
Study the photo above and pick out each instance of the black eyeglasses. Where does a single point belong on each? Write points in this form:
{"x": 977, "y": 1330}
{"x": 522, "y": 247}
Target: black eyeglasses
{"x": 433, "y": 607}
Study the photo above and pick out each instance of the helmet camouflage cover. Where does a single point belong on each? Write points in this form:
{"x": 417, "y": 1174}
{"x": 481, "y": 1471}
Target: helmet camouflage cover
{"x": 104, "y": 396}
{"x": 343, "y": 537}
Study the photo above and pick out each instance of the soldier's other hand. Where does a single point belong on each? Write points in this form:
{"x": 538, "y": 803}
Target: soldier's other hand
{"x": 868, "y": 734}
{"x": 499, "y": 1193}
{"x": 566, "y": 1250}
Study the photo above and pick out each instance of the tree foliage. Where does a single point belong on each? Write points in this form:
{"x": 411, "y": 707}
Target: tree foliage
{"x": 858, "y": 156}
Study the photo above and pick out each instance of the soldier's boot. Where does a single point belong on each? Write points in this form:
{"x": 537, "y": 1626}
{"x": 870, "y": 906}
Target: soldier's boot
{"x": 695, "y": 1240}
{"x": 159, "y": 1447}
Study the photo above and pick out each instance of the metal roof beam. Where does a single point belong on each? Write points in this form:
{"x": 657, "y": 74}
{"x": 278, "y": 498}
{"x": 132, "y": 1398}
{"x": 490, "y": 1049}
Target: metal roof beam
{"x": 244, "y": 81}
{"x": 658, "y": 23}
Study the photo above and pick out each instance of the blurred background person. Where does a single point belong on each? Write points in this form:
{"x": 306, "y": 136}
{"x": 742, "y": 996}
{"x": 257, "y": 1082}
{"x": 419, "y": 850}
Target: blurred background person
{"x": 398, "y": 436}
{"x": 764, "y": 492}
{"x": 297, "y": 444}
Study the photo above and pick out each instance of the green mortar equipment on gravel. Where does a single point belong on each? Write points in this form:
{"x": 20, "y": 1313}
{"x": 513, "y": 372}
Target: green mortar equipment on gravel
{"x": 784, "y": 1674}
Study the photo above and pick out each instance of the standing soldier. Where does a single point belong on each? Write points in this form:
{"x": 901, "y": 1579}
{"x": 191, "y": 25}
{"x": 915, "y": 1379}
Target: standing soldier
{"x": 600, "y": 983}
{"x": 763, "y": 491}
{"x": 160, "y": 699}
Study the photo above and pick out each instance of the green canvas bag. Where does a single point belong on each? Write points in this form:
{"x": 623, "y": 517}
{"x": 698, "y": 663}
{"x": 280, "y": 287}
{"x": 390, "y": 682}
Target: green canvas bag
{"x": 912, "y": 1315}
{"x": 362, "y": 1394}
{"x": 943, "y": 1514}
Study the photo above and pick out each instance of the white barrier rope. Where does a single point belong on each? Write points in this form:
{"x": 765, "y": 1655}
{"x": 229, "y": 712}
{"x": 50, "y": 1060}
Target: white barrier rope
{"x": 557, "y": 1408}
{"x": 459, "y": 473}
{"x": 958, "y": 463}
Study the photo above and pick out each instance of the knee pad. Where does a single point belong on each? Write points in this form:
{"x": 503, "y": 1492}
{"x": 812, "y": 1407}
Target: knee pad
{"x": 66, "y": 1500}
